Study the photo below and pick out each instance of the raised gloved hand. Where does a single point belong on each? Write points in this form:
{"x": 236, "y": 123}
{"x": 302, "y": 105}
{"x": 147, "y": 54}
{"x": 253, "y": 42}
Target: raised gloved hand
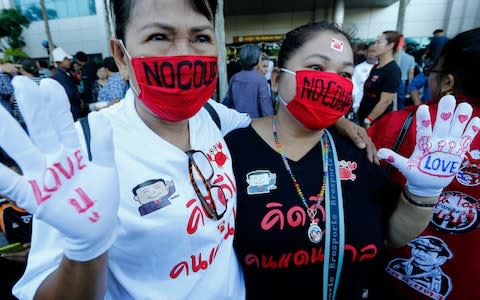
{"x": 438, "y": 155}
{"x": 59, "y": 185}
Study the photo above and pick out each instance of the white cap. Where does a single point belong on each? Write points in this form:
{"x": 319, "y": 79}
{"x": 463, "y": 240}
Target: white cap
{"x": 59, "y": 55}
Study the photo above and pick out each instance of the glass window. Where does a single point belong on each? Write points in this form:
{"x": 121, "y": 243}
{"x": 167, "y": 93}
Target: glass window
{"x": 56, "y": 9}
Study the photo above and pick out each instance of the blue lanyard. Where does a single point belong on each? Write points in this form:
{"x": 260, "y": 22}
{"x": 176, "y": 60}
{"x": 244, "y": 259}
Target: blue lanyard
{"x": 334, "y": 224}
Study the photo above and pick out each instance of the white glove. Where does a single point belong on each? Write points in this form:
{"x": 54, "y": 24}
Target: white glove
{"x": 437, "y": 156}
{"x": 59, "y": 185}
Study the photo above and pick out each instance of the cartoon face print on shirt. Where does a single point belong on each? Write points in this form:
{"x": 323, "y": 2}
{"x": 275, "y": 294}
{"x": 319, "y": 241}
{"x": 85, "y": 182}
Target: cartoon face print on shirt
{"x": 422, "y": 271}
{"x": 216, "y": 155}
{"x": 456, "y": 212}
{"x": 153, "y": 195}
{"x": 261, "y": 182}
{"x": 469, "y": 174}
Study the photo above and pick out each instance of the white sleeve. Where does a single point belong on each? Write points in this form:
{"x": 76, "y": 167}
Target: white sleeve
{"x": 230, "y": 119}
{"x": 46, "y": 252}
{"x": 356, "y": 88}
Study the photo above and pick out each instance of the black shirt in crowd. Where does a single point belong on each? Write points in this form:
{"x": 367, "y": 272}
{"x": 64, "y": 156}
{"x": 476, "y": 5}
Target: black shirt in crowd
{"x": 385, "y": 79}
{"x": 271, "y": 241}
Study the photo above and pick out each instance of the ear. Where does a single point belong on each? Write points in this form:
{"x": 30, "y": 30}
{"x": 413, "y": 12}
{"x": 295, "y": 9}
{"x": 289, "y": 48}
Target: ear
{"x": 447, "y": 84}
{"x": 120, "y": 57}
{"x": 275, "y": 77}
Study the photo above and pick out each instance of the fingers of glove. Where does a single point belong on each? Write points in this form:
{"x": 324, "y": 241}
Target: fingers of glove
{"x": 14, "y": 187}
{"x": 423, "y": 125}
{"x": 463, "y": 113}
{"x": 35, "y": 109}
{"x": 446, "y": 108}
{"x": 472, "y": 130}
{"x": 60, "y": 112}
{"x": 101, "y": 140}
{"x": 393, "y": 158}
{"x": 17, "y": 144}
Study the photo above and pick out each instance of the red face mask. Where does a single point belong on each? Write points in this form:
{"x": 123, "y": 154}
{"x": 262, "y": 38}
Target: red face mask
{"x": 175, "y": 88}
{"x": 321, "y": 98}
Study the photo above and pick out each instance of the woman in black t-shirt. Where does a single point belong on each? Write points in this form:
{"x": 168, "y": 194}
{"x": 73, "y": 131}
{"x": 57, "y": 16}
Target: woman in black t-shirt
{"x": 312, "y": 212}
{"x": 383, "y": 82}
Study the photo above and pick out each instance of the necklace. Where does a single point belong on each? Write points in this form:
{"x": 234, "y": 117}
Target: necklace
{"x": 314, "y": 231}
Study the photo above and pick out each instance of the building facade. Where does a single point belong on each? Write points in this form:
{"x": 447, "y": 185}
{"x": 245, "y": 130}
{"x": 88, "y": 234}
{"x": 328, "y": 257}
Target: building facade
{"x": 82, "y": 25}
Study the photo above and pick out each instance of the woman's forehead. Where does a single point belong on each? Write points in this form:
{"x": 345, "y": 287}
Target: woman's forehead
{"x": 331, "y": 44}
{"x": 172, "y": 12}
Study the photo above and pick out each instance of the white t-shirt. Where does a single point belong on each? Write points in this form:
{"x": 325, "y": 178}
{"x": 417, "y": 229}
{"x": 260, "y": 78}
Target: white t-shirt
{"x": 360, "y": 75}
{"x": 167, "y": 249}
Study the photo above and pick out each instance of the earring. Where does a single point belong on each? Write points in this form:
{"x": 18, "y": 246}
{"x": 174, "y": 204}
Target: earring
{"x": 446, "y": 91}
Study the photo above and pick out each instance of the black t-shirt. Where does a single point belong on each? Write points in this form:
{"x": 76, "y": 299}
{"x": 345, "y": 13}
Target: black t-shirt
{"x": 277, "y": 257}
{"x": 385, "y": 79}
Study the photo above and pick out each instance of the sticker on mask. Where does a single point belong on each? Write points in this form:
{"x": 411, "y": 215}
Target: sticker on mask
{"x": 261, "y": 182}
{"x": 337, "y": 45}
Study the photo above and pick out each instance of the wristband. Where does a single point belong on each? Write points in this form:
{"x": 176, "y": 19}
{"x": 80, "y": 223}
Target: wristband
{"x": 415, "y": 203}
{"x": 370, "y": 119}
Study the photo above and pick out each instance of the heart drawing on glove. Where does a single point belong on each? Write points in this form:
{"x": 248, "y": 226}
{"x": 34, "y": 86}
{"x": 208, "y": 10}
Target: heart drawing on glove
{"x": 426, "y": 123}
{"x": 446, "y": 116}
{"x": 462, "y": 118}
{"x": 475, "y": 128}
{"x": 391, "y": 159}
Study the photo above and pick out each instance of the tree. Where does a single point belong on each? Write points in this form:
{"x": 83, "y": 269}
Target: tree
{"x": 47, "y": 30}
{"x": 12, "y": 24}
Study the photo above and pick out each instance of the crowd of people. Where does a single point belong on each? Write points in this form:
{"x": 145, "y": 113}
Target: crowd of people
{"x": 160, "y": 192}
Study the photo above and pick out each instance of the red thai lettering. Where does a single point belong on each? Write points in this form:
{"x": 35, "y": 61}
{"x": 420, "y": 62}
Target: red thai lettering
{"x": 87, "y": 202}
{"x": 178, "y": 269}
{"x": 195, "y": 217}
{"x": 317, "y": 255}
{"x": 296, "y": 216}
{"x": 268, "y": 263}
{"x": 273, "y": 216}
{"x": 252, "y": 259}
{"x": 284, "y": 260}
{"x": 301, "y": 257}
{"x": 200, "y": 265}
{"x": 230, "y": 231}
{"x": 353, "y": 250}
{"x": 372, "y": 252}
{"x": 213, "y": 254}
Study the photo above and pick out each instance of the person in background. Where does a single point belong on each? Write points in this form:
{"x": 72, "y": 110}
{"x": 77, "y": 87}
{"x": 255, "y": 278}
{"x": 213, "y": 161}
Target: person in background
{"x": 88, "y": 71}
{"x": 360, "y": 53}
{"x": 382, "y": 84}
{"x": 360, "y": 75}
{"x": 406, "y": 62}
{"x": 443, "y": 262}
{"x": 248, "y": 91}
{"x": 43, "y": 69}
{"x": 313, "y": 213}
{"x": 102, "y": 80}
{"x": 116, "y": 86}
{"x": 64, "y": 76}
{"x": 434, "y": 48}
{"x": 262, "y": 65}
{"x": 268, "y": 75}
{"x": 29, "y": 68}
{"x": 418, "y": 88}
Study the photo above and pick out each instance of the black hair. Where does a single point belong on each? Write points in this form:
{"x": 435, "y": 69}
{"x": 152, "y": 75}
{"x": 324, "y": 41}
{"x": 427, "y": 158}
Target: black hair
{"x": 121, "y": 10}
{"x": 110, "y": 64}
{"x": 43, "y": 64}
{"x": 29, "y": 65}
{"x": 296, "y": 38}
{"x": 461, "y": 58}
{"x": 437, "y": 31}
{"x": 393, "y": 37}
{"x": 81, "y": 56}
{"x": 249, "y": 56}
